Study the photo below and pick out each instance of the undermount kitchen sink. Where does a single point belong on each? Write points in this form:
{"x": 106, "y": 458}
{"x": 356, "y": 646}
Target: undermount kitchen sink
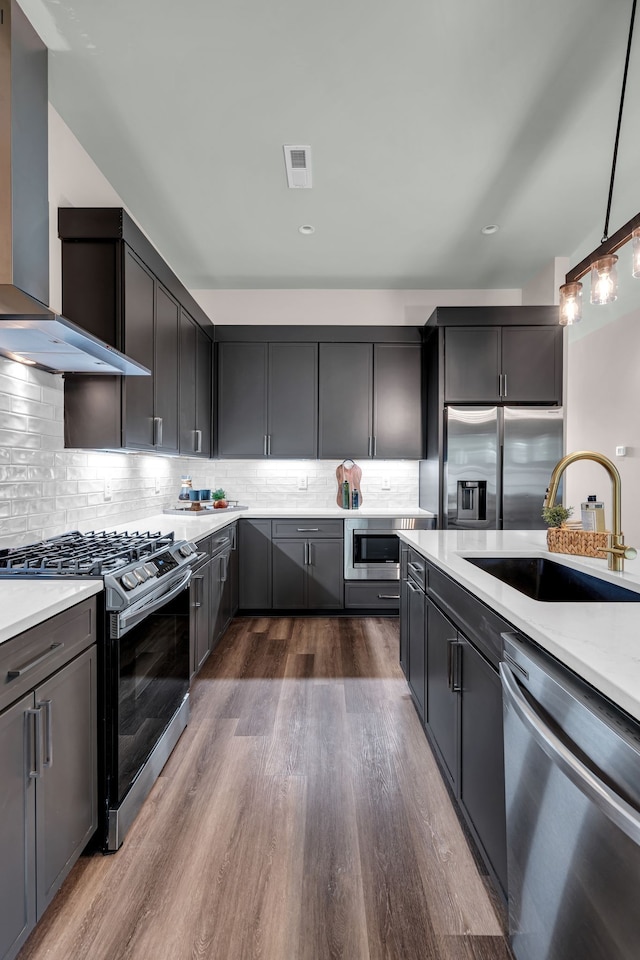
{"x": 543, "y": 579}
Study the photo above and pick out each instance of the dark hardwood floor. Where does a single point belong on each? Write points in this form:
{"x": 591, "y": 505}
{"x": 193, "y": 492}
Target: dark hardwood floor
{"x": 300, "y": 817}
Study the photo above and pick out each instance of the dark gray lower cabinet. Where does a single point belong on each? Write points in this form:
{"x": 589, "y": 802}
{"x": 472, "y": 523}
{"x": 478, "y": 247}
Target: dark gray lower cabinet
{"x": 48, "y": 766}
{"x": 462, "y": 699}
{"x": 442, "y": 698}
{"x": 481, "y": 788}
{"x": 307, "y": 574}
{"x": 404, "y": 609}
{"x": 200, "y": 625}
{"x": 416, "y": 644}
{"x": 254, "y": 539}
{"x": 214, "y": 594}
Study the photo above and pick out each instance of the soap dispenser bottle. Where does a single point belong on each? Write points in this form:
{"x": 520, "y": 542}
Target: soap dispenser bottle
{"x": 592, "y": 514}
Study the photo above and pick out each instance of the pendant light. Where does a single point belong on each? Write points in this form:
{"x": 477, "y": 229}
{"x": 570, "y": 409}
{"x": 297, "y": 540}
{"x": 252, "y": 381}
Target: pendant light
{"x": 602, "y": 263}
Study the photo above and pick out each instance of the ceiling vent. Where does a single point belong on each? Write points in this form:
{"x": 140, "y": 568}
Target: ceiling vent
{"x": 298, "y": 163}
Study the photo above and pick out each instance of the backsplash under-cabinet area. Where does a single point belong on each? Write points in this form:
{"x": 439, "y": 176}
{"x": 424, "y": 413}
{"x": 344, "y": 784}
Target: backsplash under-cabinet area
{"x": 45, "y": 489}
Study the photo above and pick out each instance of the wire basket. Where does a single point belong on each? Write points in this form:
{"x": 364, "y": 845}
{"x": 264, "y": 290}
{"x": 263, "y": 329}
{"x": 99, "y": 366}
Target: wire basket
{"x": 583, "y": 543}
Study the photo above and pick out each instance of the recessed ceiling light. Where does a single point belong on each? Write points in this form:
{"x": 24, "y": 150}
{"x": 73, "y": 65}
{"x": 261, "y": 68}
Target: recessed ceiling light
{"x": 489, "y": 229}
{"x": 306, "y": 229}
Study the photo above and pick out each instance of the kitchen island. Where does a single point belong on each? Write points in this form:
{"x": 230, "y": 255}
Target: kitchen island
{"x": 599, "y": 641}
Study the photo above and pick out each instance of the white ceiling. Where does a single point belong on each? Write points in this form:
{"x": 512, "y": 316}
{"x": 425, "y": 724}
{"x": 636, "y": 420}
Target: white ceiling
{"x": 427, "y": 120}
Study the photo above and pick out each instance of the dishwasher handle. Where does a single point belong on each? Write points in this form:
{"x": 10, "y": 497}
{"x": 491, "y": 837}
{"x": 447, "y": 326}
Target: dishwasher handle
{"x": 615, "y": 808}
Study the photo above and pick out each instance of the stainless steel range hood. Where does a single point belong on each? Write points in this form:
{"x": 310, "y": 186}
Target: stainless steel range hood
{"x": 29, "y": 331}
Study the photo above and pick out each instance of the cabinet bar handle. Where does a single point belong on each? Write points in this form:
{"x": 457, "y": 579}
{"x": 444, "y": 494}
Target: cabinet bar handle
{"x": 388, "y": 596}
{"x": 268, "y": 444}
{"x": 369, "y": 445}
{"x": 157, "y": 426}
{"x": 308, "y": 529}
{"x": 35, "y": 769}
{"x": 504, "y": 388}
{"x": 20, "y": 671}
{"x": 264, "y": 445}
{"x": 48, "y": 719}
{"x": 198, "y": 443}
{"x": 413, "y": 588}
{"x": 375, "y": 445}
{"x": 197, "y": 579}
{"x": 234, "y": 543}
{"x": 309, "y": 560}
{"x": 453, "y": 665}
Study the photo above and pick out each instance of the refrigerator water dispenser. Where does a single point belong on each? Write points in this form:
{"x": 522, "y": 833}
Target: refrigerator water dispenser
{"x": 472, "y": 499}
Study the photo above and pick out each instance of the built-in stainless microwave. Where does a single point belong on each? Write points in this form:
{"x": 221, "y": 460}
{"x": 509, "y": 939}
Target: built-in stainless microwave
{"x": 372, "y": 548}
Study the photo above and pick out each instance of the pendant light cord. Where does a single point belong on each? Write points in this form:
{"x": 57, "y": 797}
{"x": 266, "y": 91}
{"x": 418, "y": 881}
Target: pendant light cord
{"x": 605, "y": 235}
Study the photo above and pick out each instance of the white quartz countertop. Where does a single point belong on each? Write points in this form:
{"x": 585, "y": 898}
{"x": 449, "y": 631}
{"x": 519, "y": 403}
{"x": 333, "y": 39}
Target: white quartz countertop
{"x": 188, "y": 525}
{"x": 599, "y": 641}
{"x": 24, "y": 603}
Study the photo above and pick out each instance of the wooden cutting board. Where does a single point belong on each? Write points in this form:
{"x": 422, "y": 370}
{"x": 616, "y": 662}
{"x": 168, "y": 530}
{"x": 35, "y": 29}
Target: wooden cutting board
{"x": 353, "y": 475}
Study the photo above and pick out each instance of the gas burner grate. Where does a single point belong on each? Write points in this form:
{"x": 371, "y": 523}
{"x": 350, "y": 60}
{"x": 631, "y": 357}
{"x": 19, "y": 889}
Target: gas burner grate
{"x": 76, "y": 554}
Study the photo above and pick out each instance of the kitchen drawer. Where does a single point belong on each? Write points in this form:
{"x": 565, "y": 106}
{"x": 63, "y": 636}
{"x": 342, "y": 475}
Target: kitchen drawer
{"x": 417, "y": 568}
{"x": 39, "y": 652}
{"x": 372, "y": 594}
{"x": 307, "y": 529}
{"x": 478, "y": 622}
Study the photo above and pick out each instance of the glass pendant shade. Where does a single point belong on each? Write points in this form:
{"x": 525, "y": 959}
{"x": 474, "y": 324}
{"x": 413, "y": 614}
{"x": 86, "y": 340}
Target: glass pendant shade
{"x": 604, "y": 280}
{"x": 570, "y": 303}
{"x": 635, "y": 251}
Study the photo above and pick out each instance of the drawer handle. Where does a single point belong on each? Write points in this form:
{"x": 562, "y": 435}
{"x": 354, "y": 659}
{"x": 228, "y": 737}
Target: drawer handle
{"x": 20, "y": 671}
{"x": 415, "y": 566}
{"x": 388, "y": 596}
{"x": 308, "y": 529}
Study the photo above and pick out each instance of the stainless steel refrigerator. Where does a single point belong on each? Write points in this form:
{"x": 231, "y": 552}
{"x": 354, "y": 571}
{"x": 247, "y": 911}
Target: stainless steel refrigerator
{"x": 497, "y": 465}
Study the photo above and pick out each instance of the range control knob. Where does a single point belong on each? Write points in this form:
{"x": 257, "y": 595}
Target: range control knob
{"x": 140, "y": 574}
{"x": 151, "y": 568}
{"x": 128, "y": 581}
{"x": 185, "y": 550}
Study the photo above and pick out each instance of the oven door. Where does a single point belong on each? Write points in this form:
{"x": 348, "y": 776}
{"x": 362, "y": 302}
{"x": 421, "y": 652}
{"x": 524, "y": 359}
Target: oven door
{"x": 146, "y": 689}
{"x": 373, "y": 555}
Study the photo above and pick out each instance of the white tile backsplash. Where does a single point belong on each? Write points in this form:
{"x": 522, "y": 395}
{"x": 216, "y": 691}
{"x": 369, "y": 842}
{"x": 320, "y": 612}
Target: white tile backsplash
{"x": 45, "y": 489}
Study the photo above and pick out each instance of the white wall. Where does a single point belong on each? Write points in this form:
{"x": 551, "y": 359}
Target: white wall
{"x": 74, "y": 181}
{"x": 603, "y": 411}
{"x": 341, "y": 307}
{"x": 544, "y": 289}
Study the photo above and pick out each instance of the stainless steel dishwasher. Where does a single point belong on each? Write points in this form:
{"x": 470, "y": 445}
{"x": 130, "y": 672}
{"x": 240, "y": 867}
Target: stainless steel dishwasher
{"x": 573, "y": 814}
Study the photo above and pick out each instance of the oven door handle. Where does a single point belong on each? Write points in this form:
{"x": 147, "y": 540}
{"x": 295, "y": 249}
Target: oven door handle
{"x": 137, "y": 612}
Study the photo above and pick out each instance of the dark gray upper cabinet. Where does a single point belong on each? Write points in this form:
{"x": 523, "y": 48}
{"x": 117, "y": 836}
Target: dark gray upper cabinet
{"x": 472, "y": 364}
{"x": 165, "y": 372}
{"x": 195, "y": 389}
{"x": 514, "y": 364}
{"x": 267, "y": 399}
{"x": 346, "y": 401}
{"x": 397, "y": 401}
{"x": 292, "y": 405}
{"x": 242, "y": 399}
{"x": 370, "y": 400}
{"x": 532, "y": 364}
{"x": 139, "y": 310}
{"x": 116, "y": 286}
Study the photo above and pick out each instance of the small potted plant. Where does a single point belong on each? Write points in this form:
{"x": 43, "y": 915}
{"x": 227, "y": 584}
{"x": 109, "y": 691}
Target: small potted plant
{"x": 557, "y": 515}
{"x": 219, "y": 499}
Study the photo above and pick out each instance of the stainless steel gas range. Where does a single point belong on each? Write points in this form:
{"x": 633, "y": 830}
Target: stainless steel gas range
{"x": 143, "y": 653}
